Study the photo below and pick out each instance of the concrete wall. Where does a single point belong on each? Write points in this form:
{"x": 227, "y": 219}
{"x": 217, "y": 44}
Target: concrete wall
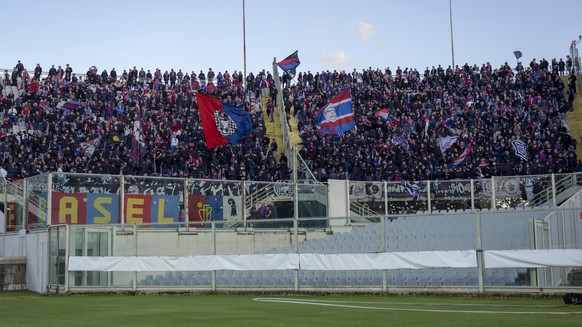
{"x": 12, "y": 273}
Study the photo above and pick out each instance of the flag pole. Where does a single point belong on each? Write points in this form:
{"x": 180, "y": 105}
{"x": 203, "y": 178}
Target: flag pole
{"x": 244, "y": 45}
{"x": 451, "y": 23}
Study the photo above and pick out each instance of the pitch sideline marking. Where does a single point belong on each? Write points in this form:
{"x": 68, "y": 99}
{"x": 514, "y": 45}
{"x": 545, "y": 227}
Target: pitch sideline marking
{"x": 336, "y": 304}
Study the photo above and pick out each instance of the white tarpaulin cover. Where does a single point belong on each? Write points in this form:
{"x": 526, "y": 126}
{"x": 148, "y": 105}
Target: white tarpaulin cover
{"x": 360, "y": 261}
{"x": 192, "y": 263}
{"x": 367, "y": 261}
{"x": 388, "y": 260}
{"x": 435, "y": 259}
{"x": 533, "y": 258}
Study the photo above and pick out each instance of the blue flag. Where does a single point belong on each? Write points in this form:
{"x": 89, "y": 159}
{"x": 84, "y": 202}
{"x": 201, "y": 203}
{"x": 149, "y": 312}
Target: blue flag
{"x": 337, "y": 117}
{"x": 222, "y": 123}
{"x": 242, "y": 120}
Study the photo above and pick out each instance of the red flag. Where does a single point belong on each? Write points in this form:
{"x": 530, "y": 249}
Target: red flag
{"x": 174, "y": 128}
{"x": 208, "y": 105}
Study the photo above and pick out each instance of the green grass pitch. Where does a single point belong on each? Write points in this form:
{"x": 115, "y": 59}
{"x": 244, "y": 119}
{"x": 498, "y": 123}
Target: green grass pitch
{"x": 30, "y": 309}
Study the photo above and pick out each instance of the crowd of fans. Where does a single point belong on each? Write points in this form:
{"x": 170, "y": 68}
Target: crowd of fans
{"x": 148, "y": 123}
{"x": 485, "y": 107}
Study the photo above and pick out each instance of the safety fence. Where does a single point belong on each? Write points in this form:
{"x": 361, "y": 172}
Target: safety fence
{"x": 67, "y": 198}
{"x": 477, "y": 252}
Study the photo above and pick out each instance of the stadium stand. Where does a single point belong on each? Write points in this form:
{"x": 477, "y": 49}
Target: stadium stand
{"x": 484, "y": 107}
{"x": 148, "y": 125}
{"x": 475, "y": 104}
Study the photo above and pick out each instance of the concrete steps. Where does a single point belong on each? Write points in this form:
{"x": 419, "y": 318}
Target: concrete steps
{"x": 294, "y": 137}
{"x": 273, "y": 130}
{"x": 574, "y": 118}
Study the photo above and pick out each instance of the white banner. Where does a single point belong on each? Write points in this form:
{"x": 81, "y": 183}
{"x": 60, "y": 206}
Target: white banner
{"x": 434, "y": 259}
{"x": 360, "y": 261}
{"x": 533, "y": 258}
{"x": 389, "y": 260}
{"x": 330, "y": 262}
{"x": 192, "y": 263}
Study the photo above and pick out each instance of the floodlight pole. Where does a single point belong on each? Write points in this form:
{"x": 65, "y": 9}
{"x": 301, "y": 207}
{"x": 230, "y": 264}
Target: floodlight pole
{"x": 451, "y": 23}
{"x": 244, "y": 45}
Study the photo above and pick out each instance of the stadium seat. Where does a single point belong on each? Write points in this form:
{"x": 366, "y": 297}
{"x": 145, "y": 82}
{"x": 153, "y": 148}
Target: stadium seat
{"x": 177, "y": 274}
{"x": 376, "y": 281}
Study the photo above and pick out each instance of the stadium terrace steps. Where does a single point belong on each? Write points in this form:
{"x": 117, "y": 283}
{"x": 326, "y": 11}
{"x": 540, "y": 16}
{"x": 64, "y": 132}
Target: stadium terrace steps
{"x": 273, "y": 130}
{"x": 574, "y": 118}
{"x": 294, "y": 137}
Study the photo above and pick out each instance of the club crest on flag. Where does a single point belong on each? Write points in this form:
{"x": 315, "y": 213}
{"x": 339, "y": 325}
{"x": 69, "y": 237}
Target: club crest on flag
{"x": 330, "y": 114}
{"x": 224, "y": 124}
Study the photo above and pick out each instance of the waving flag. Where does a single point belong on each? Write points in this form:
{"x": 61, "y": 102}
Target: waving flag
{"x": 337, "y": 117}
{"x": 519, "y": 149}
{"x": 457, "y": 161}
{"x": 401, "y": 141}
{"x": 221, "y": 122}
{"x": 517, "y": 54}
{"x": 290, "y": 63}
{"x": 385, "y": 115}
{"x": 70, "y": 105}
{"x": 89, "y": 148}
{"x": 447, "y": 142}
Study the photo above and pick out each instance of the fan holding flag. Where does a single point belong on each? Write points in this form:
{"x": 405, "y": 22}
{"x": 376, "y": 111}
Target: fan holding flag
{"x": 290, "y": 63}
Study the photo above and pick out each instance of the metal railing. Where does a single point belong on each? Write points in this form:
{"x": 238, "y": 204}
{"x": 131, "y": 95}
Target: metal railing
{"x": 27, "y": 201}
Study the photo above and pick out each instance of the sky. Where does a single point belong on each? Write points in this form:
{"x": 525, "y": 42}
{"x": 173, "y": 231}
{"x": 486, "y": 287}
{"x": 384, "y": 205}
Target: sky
{"x": 329, "y": 34}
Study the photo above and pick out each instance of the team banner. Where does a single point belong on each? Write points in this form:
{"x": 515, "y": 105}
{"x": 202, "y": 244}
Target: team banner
{"x": 214, "y": 208}
{"x": 83, "y": 208}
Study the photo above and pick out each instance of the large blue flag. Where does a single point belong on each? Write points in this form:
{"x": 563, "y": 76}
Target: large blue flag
{"x": 337, "y": 117}
{"x": 221, "y": 122}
